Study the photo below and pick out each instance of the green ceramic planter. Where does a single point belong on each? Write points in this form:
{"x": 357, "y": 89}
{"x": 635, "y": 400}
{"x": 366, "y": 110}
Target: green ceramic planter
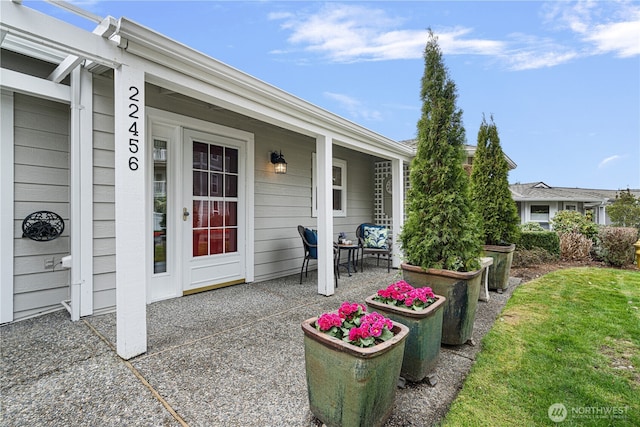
{"x": 461, "y": 289}
{"x": 501, "y": 268}
{"x": 422, "y": 348}
{"x": 349, "y": 385}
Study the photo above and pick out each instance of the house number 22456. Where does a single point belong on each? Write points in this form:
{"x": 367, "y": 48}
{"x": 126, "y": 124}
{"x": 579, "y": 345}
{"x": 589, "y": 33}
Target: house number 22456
{"x": 133, "y": 129}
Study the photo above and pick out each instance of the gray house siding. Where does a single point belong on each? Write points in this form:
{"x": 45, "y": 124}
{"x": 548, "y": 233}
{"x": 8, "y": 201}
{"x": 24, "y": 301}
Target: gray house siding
{"x": 41, "y": 182}
{"x": 104, "y": 225}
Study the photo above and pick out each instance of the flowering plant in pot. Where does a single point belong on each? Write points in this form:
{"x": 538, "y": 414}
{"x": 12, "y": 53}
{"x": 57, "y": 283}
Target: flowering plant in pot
{"x": 422, "y": 312}
{"x": 352, "y": 362}
{"x": 403, "y": 294}
{"x": 352, "y": 324}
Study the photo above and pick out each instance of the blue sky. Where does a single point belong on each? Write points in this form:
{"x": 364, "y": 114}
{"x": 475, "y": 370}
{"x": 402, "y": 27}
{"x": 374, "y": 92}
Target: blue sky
{"x": 562, "y": 79}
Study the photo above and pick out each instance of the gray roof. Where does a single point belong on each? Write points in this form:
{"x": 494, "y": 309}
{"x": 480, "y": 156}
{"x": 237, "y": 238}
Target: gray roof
{"x": 539, "y": 191}
{"x": 469, "y": 149}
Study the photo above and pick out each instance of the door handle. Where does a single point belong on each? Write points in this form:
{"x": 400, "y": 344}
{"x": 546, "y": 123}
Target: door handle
{"x": 185, "y": 214}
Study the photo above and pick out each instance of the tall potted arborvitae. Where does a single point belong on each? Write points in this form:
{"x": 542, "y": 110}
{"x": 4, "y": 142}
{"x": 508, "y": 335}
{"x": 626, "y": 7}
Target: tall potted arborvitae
{"x": 495, "y": 206}
{"x": 440, "y": 238}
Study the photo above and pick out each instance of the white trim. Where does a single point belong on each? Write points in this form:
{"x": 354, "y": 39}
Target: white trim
{"x": 397, "y": 182}
{"x": 34, "y": 86}
{"x": 36, "y": 27}
{"x": 6, "y": 207}
{"x": 86, "y": 193}
{"x": 324, "y": 150}
{"x": 74, "y": 196}
{"x": 314, "y": 186}
{"x": 130, "y": 209}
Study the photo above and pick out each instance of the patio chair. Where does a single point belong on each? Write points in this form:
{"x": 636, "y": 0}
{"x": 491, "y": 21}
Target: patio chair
{"x": 310, "y": 245}
{"x": 376, "y": 240}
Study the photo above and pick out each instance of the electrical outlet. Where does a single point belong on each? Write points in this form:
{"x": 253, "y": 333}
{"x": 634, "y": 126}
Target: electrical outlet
{"x": 49, "y": 262}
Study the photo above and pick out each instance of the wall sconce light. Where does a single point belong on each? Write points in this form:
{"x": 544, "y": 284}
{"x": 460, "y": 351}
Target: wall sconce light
{"x": 279, "y": 163}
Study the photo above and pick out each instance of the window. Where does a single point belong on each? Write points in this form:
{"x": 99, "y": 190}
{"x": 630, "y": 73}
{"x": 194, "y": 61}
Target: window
{"x": 570, "y": 207}
{"x": 540, "y": 214}
{"x": 339, "y": 180}
{"x": 159, "y": 206}
{"x": 215, "y": 199}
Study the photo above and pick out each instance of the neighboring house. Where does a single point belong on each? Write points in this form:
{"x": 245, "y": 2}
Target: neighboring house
{"x": 539, "y": 202}
{"x": 158, "y": 159}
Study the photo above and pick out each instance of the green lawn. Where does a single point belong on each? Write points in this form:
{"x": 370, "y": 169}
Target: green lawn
{"x": 571, "y": 337}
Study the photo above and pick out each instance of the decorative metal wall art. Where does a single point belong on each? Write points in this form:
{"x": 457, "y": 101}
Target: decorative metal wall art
{"x": 42, "y": 226}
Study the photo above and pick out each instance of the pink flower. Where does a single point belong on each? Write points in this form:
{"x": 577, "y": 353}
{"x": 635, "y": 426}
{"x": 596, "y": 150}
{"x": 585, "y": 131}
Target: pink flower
{"x": 347, "y": 310}
{"x": 354, "y": 334}
{"x": 353, "y": 324}
{"x": 328, "y": 321}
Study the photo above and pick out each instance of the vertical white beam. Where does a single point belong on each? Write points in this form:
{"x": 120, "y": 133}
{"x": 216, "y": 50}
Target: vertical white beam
{"x": 74, "y": 198}
{"x": 6, "y": 207}
{"x": 130, "y": 212}
{"x": 324, "y": 150}
{"x": 86, "y": 193}
{"x": 397, "y": 182}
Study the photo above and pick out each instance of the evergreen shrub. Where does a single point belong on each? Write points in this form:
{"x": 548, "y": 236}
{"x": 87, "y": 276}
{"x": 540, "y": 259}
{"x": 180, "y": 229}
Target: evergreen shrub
{"x": 547, "y": 240}
{"x": 490, "y": 189}
{"x": 441, "y": 230}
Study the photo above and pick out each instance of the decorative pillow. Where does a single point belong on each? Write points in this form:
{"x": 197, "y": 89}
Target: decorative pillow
{"x": 375, "y": 236}
{"x": 312, "y": 239}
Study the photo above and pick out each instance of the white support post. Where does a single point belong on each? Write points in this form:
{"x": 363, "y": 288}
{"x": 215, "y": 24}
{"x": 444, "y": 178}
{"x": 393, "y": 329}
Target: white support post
{"x": 131, "y": 284}
{"x": 6, "y": 207}
{"x": 324, "y": 150}
{"x": 397, "y": 180}
{"x": 86, "y": 192}
{"x": 74, "y": 197}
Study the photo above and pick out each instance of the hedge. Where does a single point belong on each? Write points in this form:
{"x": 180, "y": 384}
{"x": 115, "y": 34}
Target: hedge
{"x": 547, "y": 240}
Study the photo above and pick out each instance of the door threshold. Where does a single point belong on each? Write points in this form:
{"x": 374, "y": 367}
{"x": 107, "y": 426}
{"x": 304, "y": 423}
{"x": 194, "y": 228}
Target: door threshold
{"x": 211, "y": 287}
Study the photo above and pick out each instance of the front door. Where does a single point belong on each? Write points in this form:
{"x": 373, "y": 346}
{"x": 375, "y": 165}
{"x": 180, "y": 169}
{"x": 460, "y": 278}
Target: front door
{"x": 213, "y": 211}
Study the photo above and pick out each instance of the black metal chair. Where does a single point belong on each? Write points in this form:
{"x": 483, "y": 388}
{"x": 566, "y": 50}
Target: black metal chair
{"x": 365, "y": 249}
{"x": 311, "y": 252}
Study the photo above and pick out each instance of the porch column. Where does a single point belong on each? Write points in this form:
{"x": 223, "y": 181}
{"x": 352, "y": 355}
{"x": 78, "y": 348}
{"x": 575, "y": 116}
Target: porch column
{"x": 86, "y": 193}
{"x": 81, "y": 194}
{"x": 74, "y": 197}
{"x": 131, "y": 322}
{"x": 324, "y": 150}
{"x": 7, "y": 227}
{"x": 397, "y": 182}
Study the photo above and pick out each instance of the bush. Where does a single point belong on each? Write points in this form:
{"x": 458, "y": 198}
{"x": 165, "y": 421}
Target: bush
{"x": 531, "y": 226}
{"x": 574, "y": 222}
{"x": 442, "y": 230}
{"x": 625, "y": 210}
{"x": 547, "y": 240}
{"x": 490, "y": 189}
{"x": 616, "y": 245}
{"x": 575, "y": 246}
{"x": 530, "y": 257}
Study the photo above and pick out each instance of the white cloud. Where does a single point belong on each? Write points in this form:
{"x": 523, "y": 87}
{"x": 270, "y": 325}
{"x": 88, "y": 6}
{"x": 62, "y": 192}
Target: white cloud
{"x": 610, "y": 27}
{"x": 350, "y": 33}
{"x": 354, "y": 107}
{"x": 620, "y": 38}
{"x": 608, "y": 160}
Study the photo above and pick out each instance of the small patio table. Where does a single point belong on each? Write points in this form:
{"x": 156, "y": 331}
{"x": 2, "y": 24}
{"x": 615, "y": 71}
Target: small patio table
{"x": 351, "y": 256}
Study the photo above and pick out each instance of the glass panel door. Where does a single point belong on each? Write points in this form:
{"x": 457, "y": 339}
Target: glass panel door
{"x": 159, "y": 206}
{"x": 215, "y": 199}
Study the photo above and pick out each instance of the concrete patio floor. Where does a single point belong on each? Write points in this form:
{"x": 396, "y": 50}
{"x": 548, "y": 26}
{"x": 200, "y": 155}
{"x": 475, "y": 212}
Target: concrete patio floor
{"x": 227, "y": 357}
